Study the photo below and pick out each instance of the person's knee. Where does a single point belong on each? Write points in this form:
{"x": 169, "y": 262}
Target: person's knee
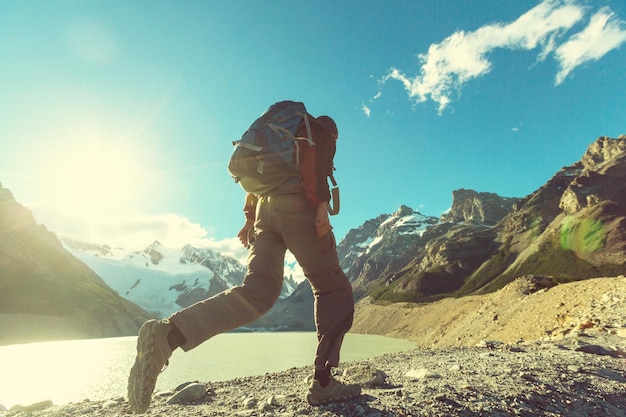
{"x": 262, "y": 294}
{"x": 333, "y": 283}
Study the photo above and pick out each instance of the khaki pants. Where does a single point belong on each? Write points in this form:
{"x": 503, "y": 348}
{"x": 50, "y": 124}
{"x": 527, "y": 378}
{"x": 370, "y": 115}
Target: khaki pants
{"x": 282, "y": 222}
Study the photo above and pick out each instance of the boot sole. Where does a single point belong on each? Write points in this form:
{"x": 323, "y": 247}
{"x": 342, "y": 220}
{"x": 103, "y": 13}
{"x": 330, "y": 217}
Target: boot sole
{"x": 144, "y": 373}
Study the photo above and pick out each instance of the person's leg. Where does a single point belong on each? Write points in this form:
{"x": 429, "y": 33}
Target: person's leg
{"x": 334, "y": 303}
{"x": 226, "y": 311}
{"x": 237, "y": 306}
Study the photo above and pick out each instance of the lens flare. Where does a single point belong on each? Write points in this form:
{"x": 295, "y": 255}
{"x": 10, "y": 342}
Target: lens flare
{"x": 582, "y": 235}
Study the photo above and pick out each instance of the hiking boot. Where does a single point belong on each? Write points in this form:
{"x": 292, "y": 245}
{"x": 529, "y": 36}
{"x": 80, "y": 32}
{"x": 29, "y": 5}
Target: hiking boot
{"x": 153, "y": 353}
{"x": 334, "y": 392}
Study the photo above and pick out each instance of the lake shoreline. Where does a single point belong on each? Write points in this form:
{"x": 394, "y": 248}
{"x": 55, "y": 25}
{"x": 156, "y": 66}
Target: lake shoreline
{"x": 98, "y": 368}
{"x": 578, "y": 376}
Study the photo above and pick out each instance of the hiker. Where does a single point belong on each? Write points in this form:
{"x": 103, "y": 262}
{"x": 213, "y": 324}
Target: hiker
{"x": 293, "y": 215}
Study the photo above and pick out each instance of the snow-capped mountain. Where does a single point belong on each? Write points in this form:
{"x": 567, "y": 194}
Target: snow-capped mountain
{"x": 382, "y": 244}
{"x": 163, "y": 280}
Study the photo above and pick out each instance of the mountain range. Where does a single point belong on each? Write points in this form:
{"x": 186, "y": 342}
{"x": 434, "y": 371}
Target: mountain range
{"x": 163, "y": 280}
{"x": 571, "y": 228}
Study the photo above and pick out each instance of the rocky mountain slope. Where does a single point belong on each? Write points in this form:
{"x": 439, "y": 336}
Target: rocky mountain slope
{"x": 572, "y": 228}
{"x": 46, "y": 293}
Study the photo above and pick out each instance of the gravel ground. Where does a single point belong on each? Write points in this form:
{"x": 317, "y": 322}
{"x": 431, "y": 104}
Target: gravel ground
{"x": 577, "y": 376}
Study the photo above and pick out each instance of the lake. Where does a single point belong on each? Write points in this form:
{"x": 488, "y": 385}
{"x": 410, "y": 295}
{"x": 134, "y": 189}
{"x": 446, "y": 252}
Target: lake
{"x": 71, "y": 371}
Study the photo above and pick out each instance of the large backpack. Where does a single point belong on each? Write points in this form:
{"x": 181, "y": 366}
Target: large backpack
{"x": 267, "y": 155}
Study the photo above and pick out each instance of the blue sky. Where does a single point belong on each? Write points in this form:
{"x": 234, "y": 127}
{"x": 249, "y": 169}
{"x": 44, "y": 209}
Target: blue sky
{"x": 116, "y": 118}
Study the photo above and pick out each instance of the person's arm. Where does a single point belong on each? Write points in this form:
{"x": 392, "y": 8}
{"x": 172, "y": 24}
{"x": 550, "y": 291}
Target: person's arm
{"x": 322, "y": 221}
{"x": 325, "y": 148}
{"x": 249, "y": 210}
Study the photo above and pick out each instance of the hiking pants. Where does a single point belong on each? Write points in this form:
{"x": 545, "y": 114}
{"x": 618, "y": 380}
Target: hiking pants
{"x": 282, "y": 222}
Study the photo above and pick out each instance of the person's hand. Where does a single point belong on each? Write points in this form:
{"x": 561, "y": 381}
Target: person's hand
{"x": 322, "y": 222}
{"x": 245, "y": 234}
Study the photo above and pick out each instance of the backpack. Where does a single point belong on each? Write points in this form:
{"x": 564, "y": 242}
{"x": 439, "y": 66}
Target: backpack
{"x": 268, "y": 154}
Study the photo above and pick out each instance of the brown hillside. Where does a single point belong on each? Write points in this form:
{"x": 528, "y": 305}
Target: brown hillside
{"x": 517, "y": 311}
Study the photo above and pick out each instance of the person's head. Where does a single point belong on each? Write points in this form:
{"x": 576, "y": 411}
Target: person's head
{"x": 329, "y": 124}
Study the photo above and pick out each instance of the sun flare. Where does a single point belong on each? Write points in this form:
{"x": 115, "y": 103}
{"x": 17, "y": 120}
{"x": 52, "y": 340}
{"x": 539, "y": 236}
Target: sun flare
{"x": 94, "y": 177}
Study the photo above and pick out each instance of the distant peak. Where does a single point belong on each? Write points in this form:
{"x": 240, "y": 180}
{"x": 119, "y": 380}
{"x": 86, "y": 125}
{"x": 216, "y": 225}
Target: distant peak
{"x": 153, "y": 246}
{"x": 603, "y": 151}
{"x": 470, "y": 206}
{"x": 404, "y": 211}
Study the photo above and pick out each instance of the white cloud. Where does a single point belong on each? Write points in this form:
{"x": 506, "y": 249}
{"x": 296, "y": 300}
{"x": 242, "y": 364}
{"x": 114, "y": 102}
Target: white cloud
{"x": 169, "y": 229}
{"x": 366, "y": 110}
{"x": 230, "y": 247}
{"x": 128, "y": 231}
{"x": 463, "y": 56}
{"x": 604, "y": 33}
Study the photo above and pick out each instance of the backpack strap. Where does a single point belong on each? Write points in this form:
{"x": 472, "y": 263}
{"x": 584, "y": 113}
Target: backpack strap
{"x": 282, "y": 132}
{"x": 260, "y": 163}
{"x": 309, "y": 135}
{"x": 247, "y": 145}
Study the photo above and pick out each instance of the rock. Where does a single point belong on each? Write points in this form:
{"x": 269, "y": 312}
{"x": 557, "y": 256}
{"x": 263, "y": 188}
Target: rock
{"x": 264, "y": 407}
{"x": 190, "y": 393}
{"x": 250, "y": 402}
{"x": 109, "y": 404}
{"x": 185, "y": 384}
{"x": 365, "y": 375}
{"x": 274, "y": 399}
{"x": 490, "y": 344}
{"x": 597, "y": 350}
{"x": 422, "y": 374}
{"x": 529, "y": 284}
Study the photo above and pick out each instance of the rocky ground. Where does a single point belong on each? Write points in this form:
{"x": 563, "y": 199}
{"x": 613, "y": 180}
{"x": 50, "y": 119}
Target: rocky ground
{"x": 575, "y": 365}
